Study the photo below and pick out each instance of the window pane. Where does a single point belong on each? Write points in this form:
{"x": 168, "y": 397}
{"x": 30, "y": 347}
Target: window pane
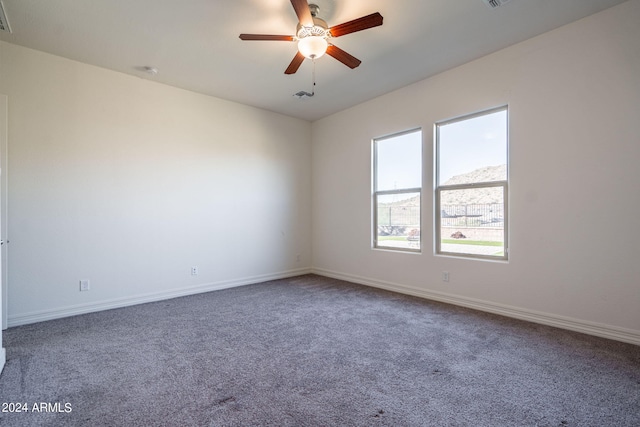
{"x": 472, "y": 221}
{"x": 399, "y": 162}
{"x": 398, "y": 218}
{"x": 473, "y": 150}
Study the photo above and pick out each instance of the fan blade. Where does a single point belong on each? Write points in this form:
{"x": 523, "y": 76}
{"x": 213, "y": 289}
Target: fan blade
{"x": 342, "y": 56}
{"x": 304, "y": 13}
{"x": 295, "y": 64}
{"x": 369, "y": 21}
{"x": 266, "y": 37}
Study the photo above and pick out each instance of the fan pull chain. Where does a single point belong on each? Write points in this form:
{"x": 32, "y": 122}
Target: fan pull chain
{"x": 313, "y": 77}
{"x": 303, "y": 94}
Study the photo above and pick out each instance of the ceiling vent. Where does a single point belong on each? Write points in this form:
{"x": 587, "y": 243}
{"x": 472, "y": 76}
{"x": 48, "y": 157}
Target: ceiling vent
{"x": 4, "y": 24}
{"x": 494, "y": 4}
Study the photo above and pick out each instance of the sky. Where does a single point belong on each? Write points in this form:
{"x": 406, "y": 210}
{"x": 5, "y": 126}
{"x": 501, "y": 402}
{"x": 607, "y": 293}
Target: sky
{"x": 467, "y": 145}
{"x": 399, "y": 161}
{"x": 464, "y": 146}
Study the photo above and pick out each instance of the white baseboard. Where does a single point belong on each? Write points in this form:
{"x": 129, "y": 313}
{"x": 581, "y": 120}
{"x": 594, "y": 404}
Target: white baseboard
{"x": 41, "y": 316}
{"x": 590, "y": 328}
{"x": 3, "y": 358}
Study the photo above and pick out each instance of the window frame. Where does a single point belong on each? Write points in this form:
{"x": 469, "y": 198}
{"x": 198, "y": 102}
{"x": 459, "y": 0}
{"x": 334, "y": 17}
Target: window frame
{"x": 376, "y": 193}
{"x": 438, "y": 188}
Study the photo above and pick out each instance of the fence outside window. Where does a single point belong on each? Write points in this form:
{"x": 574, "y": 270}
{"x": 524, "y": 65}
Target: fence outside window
{"x": 490, "y": 215}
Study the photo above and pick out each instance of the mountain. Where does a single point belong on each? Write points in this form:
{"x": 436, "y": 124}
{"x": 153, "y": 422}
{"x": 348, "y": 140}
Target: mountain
{"x": 472, "y": 196}
{"x": 476, "y": 195}
{"x": 486, "y": 174}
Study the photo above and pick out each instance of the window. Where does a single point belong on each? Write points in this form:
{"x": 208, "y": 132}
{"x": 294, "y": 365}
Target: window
{"x": 471, "y": 185}
{"x": 397, "y": 187}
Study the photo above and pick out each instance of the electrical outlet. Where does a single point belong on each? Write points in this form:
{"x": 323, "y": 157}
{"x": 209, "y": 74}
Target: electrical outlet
{"x": 84, "y": 285}
{"x": 445, "y": 276}
{"x": 194, "y": 270}
{"x": 298, "y": 258}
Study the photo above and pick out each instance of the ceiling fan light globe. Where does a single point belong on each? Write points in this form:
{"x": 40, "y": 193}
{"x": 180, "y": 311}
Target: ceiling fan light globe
{"x": 312, "y": 47}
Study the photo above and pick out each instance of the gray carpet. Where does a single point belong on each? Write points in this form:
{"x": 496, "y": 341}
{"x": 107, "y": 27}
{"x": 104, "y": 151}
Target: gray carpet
{"x": 312, "y": 351}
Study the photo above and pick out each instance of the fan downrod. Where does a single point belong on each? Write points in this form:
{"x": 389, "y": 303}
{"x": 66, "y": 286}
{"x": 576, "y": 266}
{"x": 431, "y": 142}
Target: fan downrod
{"x": 314, "y": 9}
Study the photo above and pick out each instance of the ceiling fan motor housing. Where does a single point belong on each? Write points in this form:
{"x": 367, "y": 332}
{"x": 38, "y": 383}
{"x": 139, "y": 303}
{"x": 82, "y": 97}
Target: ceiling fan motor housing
{"x": 319, "y": 29}
{"x": 312, "y": 40}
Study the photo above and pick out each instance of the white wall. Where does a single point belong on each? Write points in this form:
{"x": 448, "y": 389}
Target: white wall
{"x": 574, "y": 103}
{"x": 3, "y": 171}
{"x": 128, "y": 183}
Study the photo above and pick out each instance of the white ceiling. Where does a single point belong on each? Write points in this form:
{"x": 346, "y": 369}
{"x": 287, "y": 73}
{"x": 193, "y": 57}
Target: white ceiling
{"x": 195, "y": 45}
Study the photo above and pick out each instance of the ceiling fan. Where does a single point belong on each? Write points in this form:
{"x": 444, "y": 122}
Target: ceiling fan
{"x": 313, "y": 34}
